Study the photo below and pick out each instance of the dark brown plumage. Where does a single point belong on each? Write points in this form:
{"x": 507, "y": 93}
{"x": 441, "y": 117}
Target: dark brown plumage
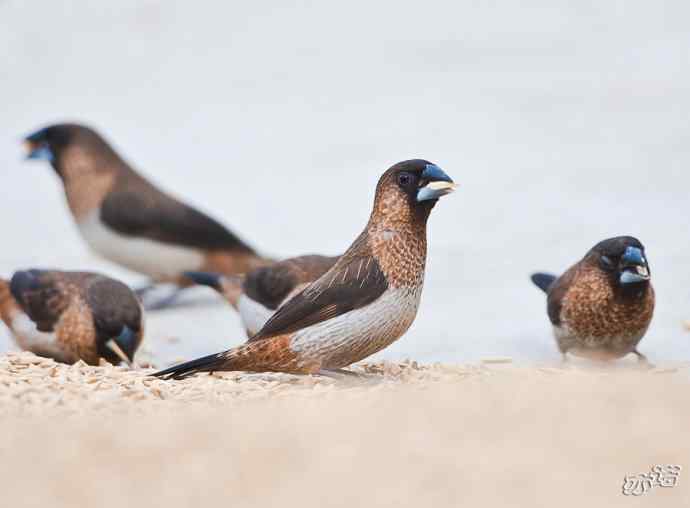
{"x": 272, "y": 284}
{"x": 601, "y": 307}
{"x": 71, "y": 316}
{"x": 364, "y": 302}
{"x": 257, "y": 294}
{"x": 126, "y": 219}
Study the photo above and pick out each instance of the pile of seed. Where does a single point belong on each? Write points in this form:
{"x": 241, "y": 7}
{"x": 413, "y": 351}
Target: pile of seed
{"x": 30, "y": 384}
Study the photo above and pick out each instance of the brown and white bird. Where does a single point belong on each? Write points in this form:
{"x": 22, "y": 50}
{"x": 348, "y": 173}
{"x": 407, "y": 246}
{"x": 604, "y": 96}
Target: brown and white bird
{"x": 72, "y": 316}
{"x": 363, "y": 303}
{"x": 126, "y": 219}
{"x": 601, "y": 307}
{"x": 258, "y": 294}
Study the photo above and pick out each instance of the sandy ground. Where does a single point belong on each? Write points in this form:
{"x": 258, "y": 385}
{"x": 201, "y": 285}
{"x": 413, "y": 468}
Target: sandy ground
{"x": 407, "y": 435}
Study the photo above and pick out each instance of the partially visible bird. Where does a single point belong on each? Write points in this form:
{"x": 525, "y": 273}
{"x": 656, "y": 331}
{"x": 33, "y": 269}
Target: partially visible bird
{"x": 128, "y": 220}
{"x": 72, "y": 316}
{"x": 363, "y": 303}
{"x": 601, "y": 307}
{"x": 257, "y": 294}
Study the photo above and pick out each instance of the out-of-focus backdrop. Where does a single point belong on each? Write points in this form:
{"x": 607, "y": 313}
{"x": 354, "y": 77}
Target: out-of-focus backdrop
{"x": 563, "y": 122}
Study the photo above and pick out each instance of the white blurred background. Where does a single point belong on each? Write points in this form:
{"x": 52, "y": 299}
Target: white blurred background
{"x": 564, "y": 123}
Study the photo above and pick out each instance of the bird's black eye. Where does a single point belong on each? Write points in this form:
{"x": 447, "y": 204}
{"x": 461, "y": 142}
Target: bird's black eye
{"x": 404, "y": 179}
{"x": 606, "y": 262}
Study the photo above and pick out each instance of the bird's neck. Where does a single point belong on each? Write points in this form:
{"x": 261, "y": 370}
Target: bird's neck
{"x": 87, "y": 178}
{"x": 633, "y": 292}
{"x": 394, "y": 215}
{"x": 400, "y": 248}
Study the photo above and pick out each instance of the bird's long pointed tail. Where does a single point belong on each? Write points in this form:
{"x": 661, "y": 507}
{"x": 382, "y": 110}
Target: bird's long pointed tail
{"x": 543, "y": 280}
{"x": 268, "y": 355}
{"x": 208, "y": 363}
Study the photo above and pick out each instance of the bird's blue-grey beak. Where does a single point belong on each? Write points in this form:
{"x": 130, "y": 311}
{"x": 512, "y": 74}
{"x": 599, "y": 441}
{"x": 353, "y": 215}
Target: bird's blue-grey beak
{"x": 438, "y": 183}
{"x": 634, "y": 267}
{"x": 125, "y": 344}
{"x": 37, "y": 147}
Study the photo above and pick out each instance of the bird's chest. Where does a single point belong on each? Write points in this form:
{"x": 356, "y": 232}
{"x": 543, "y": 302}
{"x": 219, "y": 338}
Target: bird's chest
{"x": 30, "y": 338}
{"x": 359, "y": 333}
{"x": 84, "y": 189}
{"x": 73, "y": 337}
{"x": 595, "y": 312}
{"x": 401, "y": 254}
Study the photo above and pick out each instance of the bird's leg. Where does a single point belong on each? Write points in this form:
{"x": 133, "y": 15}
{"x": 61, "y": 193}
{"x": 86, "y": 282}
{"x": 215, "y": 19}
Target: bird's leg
{"x": 166, "y": 301}
{"x": 143, "y": 290}
{"x": 339, "y": 374}
{"x": 642, "y": 359}
{"x": 161, "y": 303}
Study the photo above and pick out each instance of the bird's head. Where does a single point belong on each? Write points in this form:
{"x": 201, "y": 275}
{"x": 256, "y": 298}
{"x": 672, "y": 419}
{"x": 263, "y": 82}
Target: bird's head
{"x": 624, "y": 261}
{"x": 118, "y": 317}
{"x": 410, "y": 189}
{"x": 52, "y": 142}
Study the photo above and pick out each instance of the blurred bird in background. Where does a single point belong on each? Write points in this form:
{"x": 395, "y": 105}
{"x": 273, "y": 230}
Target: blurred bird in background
{"x": 72, "y": 316}
{"x": 129, "y": 221}
{"x": 257, "y": 294}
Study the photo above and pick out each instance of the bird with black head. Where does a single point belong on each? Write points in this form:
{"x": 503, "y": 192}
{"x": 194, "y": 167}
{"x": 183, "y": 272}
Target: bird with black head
{"x": 72, "y": 316}
{"x": 129, "y": 221}
{"x": 602, "y": 306}
{"x": 257, "y": 294}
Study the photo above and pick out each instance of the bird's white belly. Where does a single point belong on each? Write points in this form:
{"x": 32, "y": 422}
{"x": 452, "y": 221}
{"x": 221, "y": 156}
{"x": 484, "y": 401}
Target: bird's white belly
{"x": 596, "y": 348}
{"x": 158, "y": 260}
{"x": 365, "y": 330}
{"x": 28, "y": 337}
{"x": 254, "y": 315}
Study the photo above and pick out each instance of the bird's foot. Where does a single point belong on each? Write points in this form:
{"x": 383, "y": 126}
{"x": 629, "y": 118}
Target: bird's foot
{"x": 169, "y": 298}
{"x": 142, "y": 291}
{"x": 342, "y": 374}
{"x": 159, "y": 303}
{"x": 642, "y": 360}
{"x": 337, "y": 373}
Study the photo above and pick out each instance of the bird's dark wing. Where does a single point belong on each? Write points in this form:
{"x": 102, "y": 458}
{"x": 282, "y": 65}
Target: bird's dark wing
{"x": 556, "y": 293}
{"x": 41, "y": 295}
{"x": 270, "y": 285}
{"x": 141, "y": 210}
{"x": 353, "y": 282}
